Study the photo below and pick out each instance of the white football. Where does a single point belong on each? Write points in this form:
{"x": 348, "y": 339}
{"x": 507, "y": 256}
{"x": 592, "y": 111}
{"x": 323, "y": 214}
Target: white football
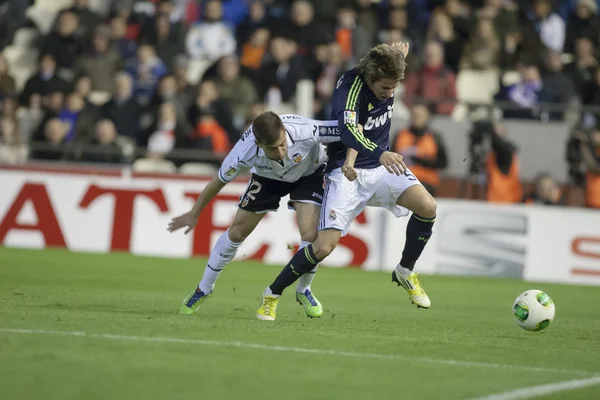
{"x": 533, "y": 310}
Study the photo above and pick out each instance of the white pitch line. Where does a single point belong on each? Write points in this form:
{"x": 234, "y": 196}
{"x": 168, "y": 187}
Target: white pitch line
{"x": 542, "y": 390}
{"x": 286, "y": 349}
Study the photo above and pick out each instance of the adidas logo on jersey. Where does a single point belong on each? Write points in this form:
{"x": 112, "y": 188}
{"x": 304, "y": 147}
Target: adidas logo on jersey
{"x": 380, "y": 120}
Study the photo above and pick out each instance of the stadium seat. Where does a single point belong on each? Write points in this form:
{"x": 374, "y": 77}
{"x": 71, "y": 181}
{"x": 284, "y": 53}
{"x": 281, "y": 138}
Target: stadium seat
{"x": 510, "y": 78}
{"x": 196, "y": 68}
{"x": 99, "y": 98}
{"x": 154, "y": 165}
{"x": 42, "y": 17}
{"x": 25, "y": 37}
{"x": 474, "y": 87}
{"x": 55, "y": 5}
{"x": 127, "y": 145}
{"x": 204, "y": 169}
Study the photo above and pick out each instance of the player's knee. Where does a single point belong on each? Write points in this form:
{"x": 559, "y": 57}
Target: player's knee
{"x": 308, "y": 235}
{"x": 323, "y": 247}
{"x": 237, "y": 233}
{"x": 427, "y": 207}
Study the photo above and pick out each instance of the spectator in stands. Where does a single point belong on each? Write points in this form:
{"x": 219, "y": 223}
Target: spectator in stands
{"x": 166, "y": 92}
{"x": 167, "y": 40}
{"x": 256, "y": 19}
{"x": 581, "y": 70}
{"x": 185, "y": 90}
{"x": 65, "y": 42}
{"x": 78, "y": 120}
{"x": 433, "y": 82}
{"x": 211, "y": 38}
{"x": 502, "y": 166}
{"x": 546, "y": 191}
{"x": 208, "y": 107}
{"x": 8, "y": 86}
{"x": 167, "y": 135}
{"x": 332, "y": 67}
{"x": 146, "y": 70}
{"x": 83, "y": 87}
{"x": 253, "y": 52}
{"x": 102, "y": 63}
{"x": 88, "y": 19}
{"x": 280, "y": 76}
{"x": 549, "y": 25}
{"x": 526, "y": 94}
{"x": 44, "y": 82}
{"x": 583, "y": 23}
{"x": 423, "y": 149}
{"x": 557, "y": 85}
{"x": 590, "y": 151}
{"x": 303, "y": 28}
{"x": 235, "y": 89}
{"x": 12, "y": 147}
{"x": 105, "y": 139}
{"x": 54, "y": 132}
{"x": 352, "y": 37}
{"x": 441, "y": 30}
{"x": 503, "y": 15}
{"x": 122, "y": 109}
{"x": 126, "y": 47}
{"x": 482, "y": 52}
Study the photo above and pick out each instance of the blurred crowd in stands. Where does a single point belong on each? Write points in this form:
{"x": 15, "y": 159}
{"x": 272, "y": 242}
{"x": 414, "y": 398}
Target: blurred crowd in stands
{"x": 85, "y": 80}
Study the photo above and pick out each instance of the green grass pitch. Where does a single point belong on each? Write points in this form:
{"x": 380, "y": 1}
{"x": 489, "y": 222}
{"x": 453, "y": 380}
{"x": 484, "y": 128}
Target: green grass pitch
{"x": 371, "y": 343}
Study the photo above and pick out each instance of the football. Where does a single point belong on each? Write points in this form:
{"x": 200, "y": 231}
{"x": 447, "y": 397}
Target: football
{"x": 533, "y": 310}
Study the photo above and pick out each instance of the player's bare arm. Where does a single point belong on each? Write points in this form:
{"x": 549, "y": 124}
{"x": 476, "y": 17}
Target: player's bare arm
{"x": 190, "y": 219}
{"x": 348, "y": 167}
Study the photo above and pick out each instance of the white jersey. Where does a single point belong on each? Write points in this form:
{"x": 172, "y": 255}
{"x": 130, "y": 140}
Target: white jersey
{"x": 306, "y": 152}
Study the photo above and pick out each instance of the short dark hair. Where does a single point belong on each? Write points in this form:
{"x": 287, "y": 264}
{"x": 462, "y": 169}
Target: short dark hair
{"x": 267, "y": 128}
{"x": 382, "y": 61}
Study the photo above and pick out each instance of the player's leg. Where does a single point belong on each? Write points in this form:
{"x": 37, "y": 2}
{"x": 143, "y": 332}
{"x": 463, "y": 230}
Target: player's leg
{"x": 259, "y": 199}
{"x": 341, "y": 203}
{"x": 308, "y": 220}
{"x": 417, "y": 199}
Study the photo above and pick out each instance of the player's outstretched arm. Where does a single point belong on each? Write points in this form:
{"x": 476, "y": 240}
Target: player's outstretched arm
{"x": 190, "y": 219}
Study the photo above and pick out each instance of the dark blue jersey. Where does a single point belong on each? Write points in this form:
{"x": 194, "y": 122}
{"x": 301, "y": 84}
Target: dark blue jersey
{"x": 353, "y": 103}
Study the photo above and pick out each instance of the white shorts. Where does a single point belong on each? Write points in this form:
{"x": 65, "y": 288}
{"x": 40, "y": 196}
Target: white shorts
{"x": 343, "y": 200}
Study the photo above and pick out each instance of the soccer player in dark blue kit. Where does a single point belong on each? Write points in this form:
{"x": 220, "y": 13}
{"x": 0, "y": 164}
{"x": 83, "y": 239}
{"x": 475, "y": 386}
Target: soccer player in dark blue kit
{"x": 361, "y": 172}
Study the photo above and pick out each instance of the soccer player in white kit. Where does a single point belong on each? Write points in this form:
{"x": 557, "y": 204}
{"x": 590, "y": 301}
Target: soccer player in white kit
{"x": 286, "y": 156}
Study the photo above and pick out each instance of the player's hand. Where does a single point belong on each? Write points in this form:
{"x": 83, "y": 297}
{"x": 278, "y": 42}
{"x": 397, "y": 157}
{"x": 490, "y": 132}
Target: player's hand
{"x": 189, "y": 219}
{"x": 393, "y": 162}
{"x": 403, "y": 47}
{"x": 349, "y": 172}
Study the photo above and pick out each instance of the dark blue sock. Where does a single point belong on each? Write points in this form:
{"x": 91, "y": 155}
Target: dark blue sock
{"x": 418, "y": 232}
{"x": 302, "y": 262}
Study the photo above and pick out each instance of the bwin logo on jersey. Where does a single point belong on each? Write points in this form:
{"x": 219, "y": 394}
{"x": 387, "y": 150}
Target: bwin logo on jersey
{"x": 379, "y": 120}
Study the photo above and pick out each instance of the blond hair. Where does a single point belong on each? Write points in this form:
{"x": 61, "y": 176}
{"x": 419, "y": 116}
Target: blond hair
{"x": 382, "y": 62}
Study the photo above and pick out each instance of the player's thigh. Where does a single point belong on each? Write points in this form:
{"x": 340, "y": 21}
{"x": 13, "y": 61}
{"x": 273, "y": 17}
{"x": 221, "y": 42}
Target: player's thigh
{"x": 418, "y": 200}
{"x": 342, "y": 202}
{"x": 262, "y": 195}
{"x": 390, "y": 191}
{"x": 243, "y": 225}
{"x": 307, "y": 215}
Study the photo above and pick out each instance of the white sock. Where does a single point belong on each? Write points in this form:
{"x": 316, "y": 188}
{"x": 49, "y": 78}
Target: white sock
{"x": 305, "y": 280}
{"x": 403, "y": 271}
{"x": 221, "y": 254}
{"x": 269, "y": 292}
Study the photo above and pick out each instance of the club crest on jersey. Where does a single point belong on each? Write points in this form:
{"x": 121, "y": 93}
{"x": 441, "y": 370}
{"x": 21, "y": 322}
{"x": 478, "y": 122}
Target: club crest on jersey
{"x": 350, "y": 117}
{"x": 229, "y": 172}
{"x": 297, "y": 158}
{"x": 332, "y": 215}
